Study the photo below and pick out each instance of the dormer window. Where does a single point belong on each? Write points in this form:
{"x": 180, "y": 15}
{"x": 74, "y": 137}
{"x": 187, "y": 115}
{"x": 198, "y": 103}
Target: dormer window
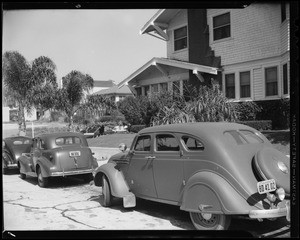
{"x": 180, "y": 38}
{"x": 221, "y": 26}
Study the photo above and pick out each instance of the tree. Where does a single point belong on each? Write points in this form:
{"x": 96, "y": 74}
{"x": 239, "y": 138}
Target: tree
{"x": 18, "y": 82}
{"x": 72, "y": 95}
{"x": 43, "y": 94}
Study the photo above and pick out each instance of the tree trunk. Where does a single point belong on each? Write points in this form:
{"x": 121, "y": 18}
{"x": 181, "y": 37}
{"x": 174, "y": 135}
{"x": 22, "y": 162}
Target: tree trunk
{"x": 21, "y": 120}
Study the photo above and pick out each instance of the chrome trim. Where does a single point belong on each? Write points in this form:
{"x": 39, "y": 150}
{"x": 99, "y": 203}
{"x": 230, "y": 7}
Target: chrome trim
{"x": 71, "y": 172}
{"x": 272, "y": 213}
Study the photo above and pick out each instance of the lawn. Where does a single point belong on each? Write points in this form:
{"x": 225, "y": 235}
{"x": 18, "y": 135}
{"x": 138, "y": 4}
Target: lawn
{"x": 279, "y": 139}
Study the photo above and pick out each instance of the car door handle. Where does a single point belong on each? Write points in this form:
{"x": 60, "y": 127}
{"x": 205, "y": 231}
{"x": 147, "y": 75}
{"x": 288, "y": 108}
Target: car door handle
{"x": 150, "y": 157}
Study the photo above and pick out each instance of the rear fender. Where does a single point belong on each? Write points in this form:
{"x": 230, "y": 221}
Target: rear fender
{"x": 45, "y": 166}
{"x": 24, "y": 164}
{"x": 211, "y": 193}
{"x": 117, "y": 182}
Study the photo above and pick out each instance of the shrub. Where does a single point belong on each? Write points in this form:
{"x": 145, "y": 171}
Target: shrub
{"x": 130, "y": 107}
{"x": 136, "y": 128}
{"x": 55, "y": 116}
{"x": 258, "y": 125}
{"x": 246, "y": 111}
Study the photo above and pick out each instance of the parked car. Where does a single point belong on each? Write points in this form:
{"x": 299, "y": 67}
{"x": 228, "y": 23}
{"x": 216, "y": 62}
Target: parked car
{"x": 93, "y": 131}
{"x": 12, "y": 149}
{"x": 58, "y": 154}
{"x": 214, "y": 171}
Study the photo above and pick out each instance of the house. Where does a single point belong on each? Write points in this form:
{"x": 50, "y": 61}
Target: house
{"x": 246, "y": 50}
{"x": 115, "y": 93}
{"x": 101, "y": 85}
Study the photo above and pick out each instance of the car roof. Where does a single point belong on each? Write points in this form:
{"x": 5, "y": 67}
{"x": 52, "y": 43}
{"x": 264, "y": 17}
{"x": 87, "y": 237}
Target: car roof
{"x": 208, "y": 129}
{"x": 60, "y": 134}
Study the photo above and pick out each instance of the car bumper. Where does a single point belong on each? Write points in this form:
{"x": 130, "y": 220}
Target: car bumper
{"x": 11, "y": 166}
{"x": 68, "y": 173}
{"x": 272, "y": 213}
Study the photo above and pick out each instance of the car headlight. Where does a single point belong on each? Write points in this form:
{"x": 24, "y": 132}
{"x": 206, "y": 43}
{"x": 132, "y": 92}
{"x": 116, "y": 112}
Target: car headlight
{"x": 282, "y": 167}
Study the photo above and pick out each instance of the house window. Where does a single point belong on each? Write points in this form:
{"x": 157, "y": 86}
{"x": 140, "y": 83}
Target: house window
{"x": 245, "y": 84}
{"x": 138, "y": 91}
{"x": 230, "y": 85}
{"x": 221, "y": 26}
{"x": 163, "y": 87}
{"x": 146, "y": 90}
{"x": 283, "y": 12}
{"x": 176, "y": 88}
{"x": 285, "y": 79}
{"x": 154, "y": 88}
{"x": 271, "y": 81}
{"x": 180, "y": 38}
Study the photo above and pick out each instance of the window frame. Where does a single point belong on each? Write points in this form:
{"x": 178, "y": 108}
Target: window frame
{"x": 265, "y": 81}
{"x": 240, "y": 84}
{"x": 180, "y": 38}
{"x": 136, "y": 141}
{"x": 186, "y": 147}
{"x": 225, "y": 86}
{"x": 219, "y": 27}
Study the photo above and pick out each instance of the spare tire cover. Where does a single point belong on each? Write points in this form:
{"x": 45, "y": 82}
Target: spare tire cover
{"x": 267, "y": 162}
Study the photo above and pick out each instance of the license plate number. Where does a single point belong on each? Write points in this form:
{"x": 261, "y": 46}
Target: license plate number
{"x": 266, "y": 186}
{"x": 74, "y": 154}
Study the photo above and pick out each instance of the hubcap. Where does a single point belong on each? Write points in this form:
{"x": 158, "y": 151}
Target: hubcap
{"x": 206, "y": 216}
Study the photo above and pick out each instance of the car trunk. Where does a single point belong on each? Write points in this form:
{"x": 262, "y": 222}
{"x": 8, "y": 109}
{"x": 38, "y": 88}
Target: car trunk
{"x": 75, "y": 158}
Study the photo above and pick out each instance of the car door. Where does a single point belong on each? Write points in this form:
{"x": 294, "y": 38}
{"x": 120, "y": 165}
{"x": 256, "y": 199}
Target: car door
{"x": 140, "y": 175}
{"x": 168, "y": 167}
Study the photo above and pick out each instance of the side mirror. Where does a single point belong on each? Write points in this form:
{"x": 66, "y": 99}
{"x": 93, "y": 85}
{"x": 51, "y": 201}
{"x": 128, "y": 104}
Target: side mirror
{"x": 122, "y": 147}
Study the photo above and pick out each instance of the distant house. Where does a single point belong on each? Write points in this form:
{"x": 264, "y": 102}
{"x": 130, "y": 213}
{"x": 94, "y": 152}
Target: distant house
{"x": 115, "y": 93}
{"x": 101, "y": 85}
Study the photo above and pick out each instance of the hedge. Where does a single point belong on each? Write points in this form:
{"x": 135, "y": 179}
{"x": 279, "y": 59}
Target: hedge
{"x": 136, "y": 128}
{"x": 258, "y": 125}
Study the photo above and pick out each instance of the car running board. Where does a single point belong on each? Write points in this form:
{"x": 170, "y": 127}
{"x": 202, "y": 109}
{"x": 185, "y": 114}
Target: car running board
{"x": 129, "y": 201}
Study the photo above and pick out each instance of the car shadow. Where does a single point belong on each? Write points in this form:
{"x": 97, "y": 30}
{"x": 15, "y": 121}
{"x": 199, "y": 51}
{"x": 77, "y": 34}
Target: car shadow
{"x": 12, "y": 171}
{"x": 167, "y": 212}
{"x": 58, "y": 182}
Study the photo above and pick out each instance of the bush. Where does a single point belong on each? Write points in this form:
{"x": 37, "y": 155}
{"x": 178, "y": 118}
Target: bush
{"x": 55, "y": 116}
{"x": 276, "y": 110}
{"x": 258, "y": 125}
{"x": 246, "y": 111}
{"x": 136, "y": 128}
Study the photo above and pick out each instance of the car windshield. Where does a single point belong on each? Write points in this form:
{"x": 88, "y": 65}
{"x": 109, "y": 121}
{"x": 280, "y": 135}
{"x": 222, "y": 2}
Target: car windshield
{"x": 242, "y": 137}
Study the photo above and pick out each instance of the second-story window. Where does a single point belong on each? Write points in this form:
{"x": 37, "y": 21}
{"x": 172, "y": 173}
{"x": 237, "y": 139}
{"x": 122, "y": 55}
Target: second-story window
{"x": 283, "y": 12}
{"x": 180, "y": 38}
{"x": 221, "y": 26}
{"x": 245, "y": 84}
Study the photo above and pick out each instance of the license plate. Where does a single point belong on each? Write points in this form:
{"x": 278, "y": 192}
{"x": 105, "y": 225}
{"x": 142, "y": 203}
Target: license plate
{"x": 266, "y": 186}
{"x": 74, "y": 154}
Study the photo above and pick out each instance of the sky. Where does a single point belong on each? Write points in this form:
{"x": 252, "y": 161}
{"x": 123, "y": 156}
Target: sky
{"x": 104, "y": 43}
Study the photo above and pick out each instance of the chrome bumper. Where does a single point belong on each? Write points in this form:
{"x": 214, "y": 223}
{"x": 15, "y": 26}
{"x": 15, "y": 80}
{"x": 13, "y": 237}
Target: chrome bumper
{"x": 13, "y": 165}
{"x": 272, "y": 213}
{"x": 76, "y": 172}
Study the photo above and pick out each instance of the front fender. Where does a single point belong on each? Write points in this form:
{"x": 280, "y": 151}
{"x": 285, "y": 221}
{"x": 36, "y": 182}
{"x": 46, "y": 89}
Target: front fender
{"x": 117, "y": 182}
{"x": 211, "y": 193}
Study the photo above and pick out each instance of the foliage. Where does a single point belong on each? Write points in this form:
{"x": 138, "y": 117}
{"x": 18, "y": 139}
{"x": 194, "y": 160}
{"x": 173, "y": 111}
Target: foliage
{"x": 259, "y": 125}
{"x": 276, "y": 110}
{"x": 18, "y": 82}
{"x": 130, "y": 107}
{"x": 136, "y": 128}
{"x": 210, "y": 105}
{"x": 55, "y": 116}
{"x": 247, "y": 111}
{"x": 70, "y": 97}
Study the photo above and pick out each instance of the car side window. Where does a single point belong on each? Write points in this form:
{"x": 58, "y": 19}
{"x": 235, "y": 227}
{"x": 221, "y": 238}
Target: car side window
{"x": 166, "y": 142}
{"x": 42, "y": 144}
{"x": 192, "y": 143}
{"x": 143, "y": 143}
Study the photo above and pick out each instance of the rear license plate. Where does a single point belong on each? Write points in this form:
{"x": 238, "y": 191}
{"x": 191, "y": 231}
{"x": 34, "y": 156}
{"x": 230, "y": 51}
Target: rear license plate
{"x": 266, "y": 186}
{"x": 74, "y": 154}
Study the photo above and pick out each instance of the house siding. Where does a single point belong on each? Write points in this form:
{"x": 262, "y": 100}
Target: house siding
{"x": 179, "y": 21}
{"x": 255, "y": 33}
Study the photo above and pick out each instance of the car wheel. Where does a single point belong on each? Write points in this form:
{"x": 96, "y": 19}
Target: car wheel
{"x": 42, "y": 181}
{"x": 87, "y": 177}
{"x": 106, "y": 197}
{"x": 208, "y": 221}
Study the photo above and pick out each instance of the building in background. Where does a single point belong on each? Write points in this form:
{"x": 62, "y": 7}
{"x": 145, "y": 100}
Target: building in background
{"x": 115, "y": 93}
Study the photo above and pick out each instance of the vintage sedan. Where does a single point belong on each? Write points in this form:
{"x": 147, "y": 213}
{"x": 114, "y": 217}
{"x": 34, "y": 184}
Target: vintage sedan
{"x": 214, "y": 171}
{"x": 12, "y": 149}
{"x": 58, "y": 154}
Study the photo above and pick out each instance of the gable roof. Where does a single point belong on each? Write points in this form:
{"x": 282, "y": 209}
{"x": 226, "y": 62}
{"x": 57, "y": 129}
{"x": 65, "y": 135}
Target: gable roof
{"x": 173, "y": 63}
{"x": 102, "y": 83}
{"x": 115, "y": 90}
